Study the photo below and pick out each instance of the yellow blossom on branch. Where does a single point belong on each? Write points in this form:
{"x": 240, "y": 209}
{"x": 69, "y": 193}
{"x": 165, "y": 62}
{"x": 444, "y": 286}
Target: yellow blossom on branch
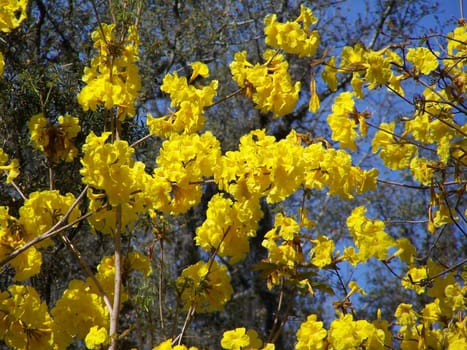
{"x": 190, "y": 101}
{"x": 291, "y": 36}
{"x": 25, "y": 322}
{"x": 55, "y": 140}
{"x": 205, "y": 286}
{"x": 12, "y": 13}
{"x": 11, "y": 169}
{"x": 269, "y": 85}
{"x": 112, "y": 79}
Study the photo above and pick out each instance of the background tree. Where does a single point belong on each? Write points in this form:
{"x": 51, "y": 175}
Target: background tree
{"x": 45, "y": 59}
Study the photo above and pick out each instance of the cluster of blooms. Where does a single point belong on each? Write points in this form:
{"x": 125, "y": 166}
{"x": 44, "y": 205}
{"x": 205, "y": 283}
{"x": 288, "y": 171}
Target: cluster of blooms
{"x": 240, "y": 338}
{"x": 167, "y": 345}
{"x": 344, "y": 119}
{"x": 81, "y": 313}
{"x": 262, "y": 167}
{"x": 109, "y": 167}
{"x": 190, "y": 101}
{"x": 112, "y": 79}
{"x": 55, "y": 140}
{"x": 12, "y": 169}
{"x": 269, "y": 85}
{"x": 183, "y": 162}
{"x": 11, "y": 238}
{"x": 12, "y": 13}
{"x": 284, "y": 248}
{"x": 440, "y": 324}
{"x": 25, "y": 322}
{"x": 38, "y": 214}
{"x": 333, "y": 168}
{"x": 373, "y": 68}
{"x": 228, "y": 227}
{"x": 291, "y": 36}
{"x": 205, "y": 286}
{"x": 368, "y": 236}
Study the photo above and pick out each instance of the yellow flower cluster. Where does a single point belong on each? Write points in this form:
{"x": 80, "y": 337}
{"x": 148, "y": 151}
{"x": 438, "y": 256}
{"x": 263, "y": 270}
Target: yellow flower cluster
{"x": 440, "y": 322}
{"x": 322, "y": 251}
{"x": 423, "y": 59}
{"x": 81, "y": 313}
{"x": 183, "y": 162}
{"x": 343, "y": 333}
{"x": 284, "y": 249}
{"x": 112, "y": 79}
{"x": 311, "y": 334}
{"x": 55, "y": 140}
{"x": 12, "y": 13}
{"x": 344, "y": 119}
{"x": 292, "y": 37}
{"x": 12, "y": 169}
{"x": 205, "y": 286}
{"x": 38, "y": 214}
{"x": 190, "y": 101}
{"x": 77, "y": 311}
{"x": 269, "y": 85}
{"x": 25, "y": 322}
{"x": 240, "y": 338}
{"x": 395, "y": 153}
{"x": 44, "y": 209}
{"x": 29, "y": 262}
{"x": 262, "y": 167}
{"x": 228, "y": 227}
{"x": 372, "y": 68}
{"x": 333, "y": 168}
{"x": 368, "y": 236}
{"x": 167, "y": 345}
{"x": 110, "y": 167}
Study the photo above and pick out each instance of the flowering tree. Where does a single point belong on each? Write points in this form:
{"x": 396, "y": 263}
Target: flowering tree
{"x": 118, "y": 196}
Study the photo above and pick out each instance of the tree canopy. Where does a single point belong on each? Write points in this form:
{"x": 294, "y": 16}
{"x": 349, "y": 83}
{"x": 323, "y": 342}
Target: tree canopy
{"x": 232, "y": 174}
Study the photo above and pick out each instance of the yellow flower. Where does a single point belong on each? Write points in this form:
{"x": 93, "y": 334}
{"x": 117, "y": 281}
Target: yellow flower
{"x": 76, "y": 312}
{"x": 112, "y": 80}
{"x": 345, "y": 333}
{"x": 96, "y": 337}
{"x": 269, "y": 85}
{"x": 329, "y": 74}
{"x": 167, "y": 345}
{"x": 12, "y": 13}
{"x": 55, "y": 140}
{"x": 423, "y": 59}
{"x": 405, "y": 316}
{"x": 311, "y": 335}
{"x": 44, "y": 209}
{"x": 236, "y": 339}
{"x": 341, "y": 122}
{"x": 369, "y": 236}
{"x": 26, "y": 323}
{"x": 12, "y": 169}
{"x": 396, "y": 154}
{"x": 228, "y": 227}
{"x": 291, "y": 36}
{"x": 205, "y": 286}
{"x": 414, "y": 279}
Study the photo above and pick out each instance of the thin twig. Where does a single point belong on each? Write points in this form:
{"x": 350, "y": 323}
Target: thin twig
{"x": 55, "y": 229}
{"x": 87, "y": 269}
{"x": 18, "y": 190}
